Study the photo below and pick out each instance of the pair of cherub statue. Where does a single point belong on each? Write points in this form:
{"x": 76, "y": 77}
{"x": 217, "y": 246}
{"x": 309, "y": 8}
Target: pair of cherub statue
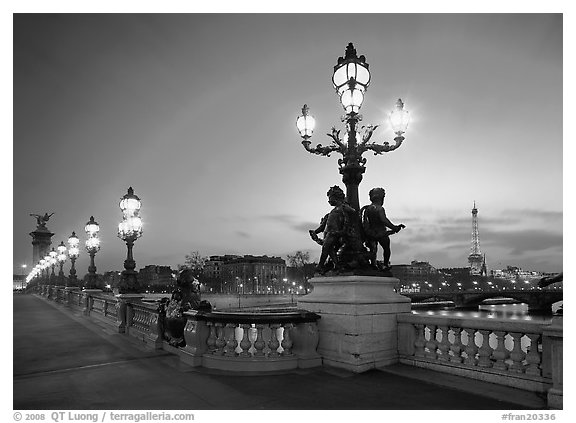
{"x": 345, "y": 228}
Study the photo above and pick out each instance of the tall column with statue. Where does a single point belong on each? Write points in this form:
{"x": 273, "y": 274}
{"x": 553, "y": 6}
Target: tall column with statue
{"x": 41, "y": 237}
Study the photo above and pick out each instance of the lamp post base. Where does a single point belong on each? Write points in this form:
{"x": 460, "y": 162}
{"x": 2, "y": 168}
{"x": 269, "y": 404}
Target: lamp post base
{"x": 357, "y": 329}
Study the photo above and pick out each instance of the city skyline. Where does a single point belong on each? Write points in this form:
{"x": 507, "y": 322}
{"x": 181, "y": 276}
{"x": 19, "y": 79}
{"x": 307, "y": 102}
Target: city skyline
{"x": 197, "y": 114}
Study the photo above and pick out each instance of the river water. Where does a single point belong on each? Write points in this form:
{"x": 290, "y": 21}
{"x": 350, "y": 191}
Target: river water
{"x": 496, "y": 311}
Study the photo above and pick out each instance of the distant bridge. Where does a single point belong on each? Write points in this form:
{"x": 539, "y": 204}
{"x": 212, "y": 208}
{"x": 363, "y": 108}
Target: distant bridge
{"x": 537, "y": 300}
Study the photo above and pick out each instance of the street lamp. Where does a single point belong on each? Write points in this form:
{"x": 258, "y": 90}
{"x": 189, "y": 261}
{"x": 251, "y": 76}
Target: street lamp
{"x": 129, "y": 230}
{"x": 53, "y": 260}
{"x": 351, "y": 79}
{"x": 92, "y": 247}
{"x": 24, "y": 266}
{"x": 61, "y": 259}
{"x": 43, "y": 266}
{"x": 73, "y": 253}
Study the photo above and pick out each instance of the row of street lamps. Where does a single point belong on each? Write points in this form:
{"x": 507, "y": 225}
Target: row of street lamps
{"x": 129, "y": 230}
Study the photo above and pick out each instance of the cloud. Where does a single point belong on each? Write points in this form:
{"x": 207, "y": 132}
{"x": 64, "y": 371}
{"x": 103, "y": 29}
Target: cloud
{"x": 524, "y": 241}
{"x": 291, "y": 222}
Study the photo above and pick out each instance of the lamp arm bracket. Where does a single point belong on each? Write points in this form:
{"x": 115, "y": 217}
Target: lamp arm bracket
{"x": 335, "y": 135}
{"x": 385, "y": 147}
{"x": 320, "y": 149}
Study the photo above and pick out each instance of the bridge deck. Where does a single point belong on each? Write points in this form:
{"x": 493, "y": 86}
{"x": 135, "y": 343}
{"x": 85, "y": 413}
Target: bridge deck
{"x": 64, "y": 360}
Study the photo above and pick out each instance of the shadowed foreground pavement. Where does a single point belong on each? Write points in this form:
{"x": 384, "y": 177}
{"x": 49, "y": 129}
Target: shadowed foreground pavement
{"x": 63, "y": 360}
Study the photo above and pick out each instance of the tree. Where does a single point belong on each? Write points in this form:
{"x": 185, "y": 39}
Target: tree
{"x": 195, "y": 262}
{"x": 301, "y": 262}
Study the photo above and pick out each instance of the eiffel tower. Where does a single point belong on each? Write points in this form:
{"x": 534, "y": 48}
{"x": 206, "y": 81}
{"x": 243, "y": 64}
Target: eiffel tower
{"x": 476, "y": 261}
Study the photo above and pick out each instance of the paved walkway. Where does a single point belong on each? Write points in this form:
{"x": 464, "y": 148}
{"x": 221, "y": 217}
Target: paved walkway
{"x": 63, "y": 360}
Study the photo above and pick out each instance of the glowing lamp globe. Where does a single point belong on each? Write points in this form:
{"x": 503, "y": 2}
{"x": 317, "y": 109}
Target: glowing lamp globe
{"x": 93, "y": 244}
{"x": 352, "y": 100}
{"x": 73, "y": 252}
{"x": 399, "y": 118}
{"x": 130, "y": 204}
{"x": 73, "y": 240}
{"x": 92, "y": 227}
{"x": 73, "y": 243}
{"x": 305, "y": 123}
{"x": 351, "y": 79}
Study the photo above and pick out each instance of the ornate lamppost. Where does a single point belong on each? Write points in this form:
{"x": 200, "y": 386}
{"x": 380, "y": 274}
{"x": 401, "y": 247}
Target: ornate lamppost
{"x": 53, "y": 260}
{"x": 92, "y": 247}
{"x": 46, "y": 272}
{"x": 129, "y": 230}
{"x": 351, "y": 79}
{"x": 61, "y": 259}
{"x": 41, "y": 267}
{"x": 73, "y": 253}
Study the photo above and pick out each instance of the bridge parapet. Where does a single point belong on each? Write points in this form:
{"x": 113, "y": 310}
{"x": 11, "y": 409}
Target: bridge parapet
{"x": 522, "y": 354}
{"x": 233, "y": 341}
{"x": 512, "y": 353}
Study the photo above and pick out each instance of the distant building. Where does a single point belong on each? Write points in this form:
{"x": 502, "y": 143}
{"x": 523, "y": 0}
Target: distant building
{"x": 18, "y": 281}
{"x": 213, "y": 266}
{"x": 156, "y": 277}
{"x": 253, "y": 274}
{"x": 417, "y": 274}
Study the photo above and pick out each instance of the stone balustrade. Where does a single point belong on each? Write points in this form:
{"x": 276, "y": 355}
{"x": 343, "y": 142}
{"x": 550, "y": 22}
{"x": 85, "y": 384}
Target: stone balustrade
{"x": 251, "y": 342}
{"x": 521, "y": 354}
{"x": 510, "y": 352}
{"x": 236, "y": 341}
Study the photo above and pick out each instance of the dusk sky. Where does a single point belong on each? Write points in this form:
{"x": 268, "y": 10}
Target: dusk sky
{"x": 197, "y": 113}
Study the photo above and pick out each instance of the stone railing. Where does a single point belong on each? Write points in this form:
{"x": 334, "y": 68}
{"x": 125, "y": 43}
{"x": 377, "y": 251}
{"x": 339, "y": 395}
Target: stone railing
{"x": 105, "y": 307}
{"x": 235, "y": 341}
{"x": 511, "y": 353}
{"x": 522, "y": 354}
{"x": 251, "y": 342}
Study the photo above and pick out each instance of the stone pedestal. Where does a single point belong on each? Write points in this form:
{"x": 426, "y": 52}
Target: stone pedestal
{"x": 41, "y": 241}
{"x": 554, "y": 337}
{"x": 358, "y": 327}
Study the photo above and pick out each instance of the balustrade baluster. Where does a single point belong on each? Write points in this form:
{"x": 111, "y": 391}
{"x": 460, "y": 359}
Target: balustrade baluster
{"x": 471, "y": 348}
{"x": 211, "y": 341}
{"x": 220, "y": 341}
{"x": 500, "y": 354}
{"x": 517, "y": 355}
{"x": 259, "y": 344}
{"x": 245, "y": 343}
{"x": 231, "y": 343}
{"x": 273, "y": 344}
{"x": 533, "y": 357}
{"x": 431, "y": 344}
{"x": 287, "y": 341}
{"x": 456, "y": 346}
{"x": 420, "y": 341}
{"x": 444, "y": 345}
{"x": 485, "y": 351}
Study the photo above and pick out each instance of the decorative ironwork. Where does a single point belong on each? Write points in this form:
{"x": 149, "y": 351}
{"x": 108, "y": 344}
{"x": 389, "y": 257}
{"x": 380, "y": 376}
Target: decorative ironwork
{"x": 351, "y": 79}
